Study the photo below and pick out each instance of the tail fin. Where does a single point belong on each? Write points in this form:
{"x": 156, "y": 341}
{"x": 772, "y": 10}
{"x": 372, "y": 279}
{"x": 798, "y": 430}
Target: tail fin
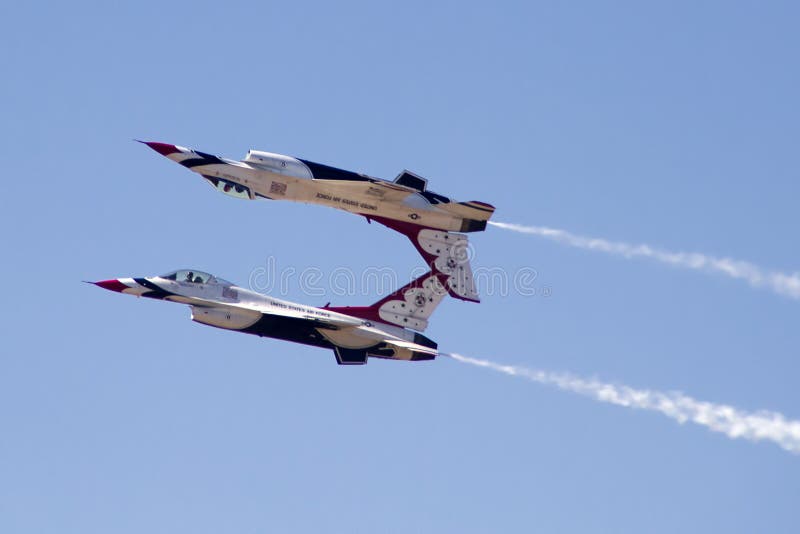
{"x": 409, "y": 307}
{"x": 447, "y": 253}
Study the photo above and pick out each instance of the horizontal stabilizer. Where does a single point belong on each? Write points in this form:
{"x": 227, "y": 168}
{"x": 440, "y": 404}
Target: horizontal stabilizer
{"x": 470, "y": 211}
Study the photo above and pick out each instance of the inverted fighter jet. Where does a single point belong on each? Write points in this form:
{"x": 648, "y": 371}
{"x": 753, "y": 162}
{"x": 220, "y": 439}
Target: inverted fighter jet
{"x": 388, "y": 329}
{"x": 431, "y": 221}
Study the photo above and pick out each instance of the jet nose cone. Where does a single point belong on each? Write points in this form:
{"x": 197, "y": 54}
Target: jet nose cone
{"x": 162, "y": 148}
{"x": 112, "y": 285}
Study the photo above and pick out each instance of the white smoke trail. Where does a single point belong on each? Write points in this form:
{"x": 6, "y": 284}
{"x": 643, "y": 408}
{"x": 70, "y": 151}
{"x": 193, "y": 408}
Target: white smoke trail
{"x": 728, "y": 420}
{"x": 784, "y": 284}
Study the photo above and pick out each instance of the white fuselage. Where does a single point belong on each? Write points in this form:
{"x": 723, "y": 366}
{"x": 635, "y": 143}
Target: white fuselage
{"x": 279, "y": 177}
{"x": 224, "y": 305}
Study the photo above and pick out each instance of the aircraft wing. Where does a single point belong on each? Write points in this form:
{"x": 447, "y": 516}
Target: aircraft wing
{"x": 332, "y": 323}
{"x": 379, "y": 190}
{"x": 317, "y": 317}
{"x": 238, "y": 316}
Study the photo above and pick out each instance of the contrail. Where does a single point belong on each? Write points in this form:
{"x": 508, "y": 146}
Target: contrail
{"x": 787, "y": 285}
{"x": 734, "y": 423}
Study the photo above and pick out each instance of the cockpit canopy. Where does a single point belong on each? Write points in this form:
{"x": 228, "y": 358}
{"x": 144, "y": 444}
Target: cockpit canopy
{"x": 193, "y": 276}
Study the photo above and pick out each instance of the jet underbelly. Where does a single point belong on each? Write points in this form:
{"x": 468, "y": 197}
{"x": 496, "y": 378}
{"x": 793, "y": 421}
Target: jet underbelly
{"x": 348, "y": 338}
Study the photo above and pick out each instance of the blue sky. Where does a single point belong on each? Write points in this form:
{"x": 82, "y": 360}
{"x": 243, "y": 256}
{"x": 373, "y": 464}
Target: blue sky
{"x": 672, "y": 124}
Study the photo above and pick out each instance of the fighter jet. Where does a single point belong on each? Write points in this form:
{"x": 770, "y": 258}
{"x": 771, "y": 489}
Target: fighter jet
{"x": 388, "y": 329}
{"x": 431, "y": 221}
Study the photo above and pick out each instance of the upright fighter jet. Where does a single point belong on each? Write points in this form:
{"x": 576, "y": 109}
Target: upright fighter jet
{"x": 431, "y": 221}
{"x": 388, "y": 329}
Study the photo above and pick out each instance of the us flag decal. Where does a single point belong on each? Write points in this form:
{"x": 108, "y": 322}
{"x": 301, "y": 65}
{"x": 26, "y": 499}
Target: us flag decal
{"x": 277, "y": 188}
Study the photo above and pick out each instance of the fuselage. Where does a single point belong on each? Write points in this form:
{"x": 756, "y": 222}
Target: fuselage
{"x": 216, "y": 302}
{"x": 278, "y": 177}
